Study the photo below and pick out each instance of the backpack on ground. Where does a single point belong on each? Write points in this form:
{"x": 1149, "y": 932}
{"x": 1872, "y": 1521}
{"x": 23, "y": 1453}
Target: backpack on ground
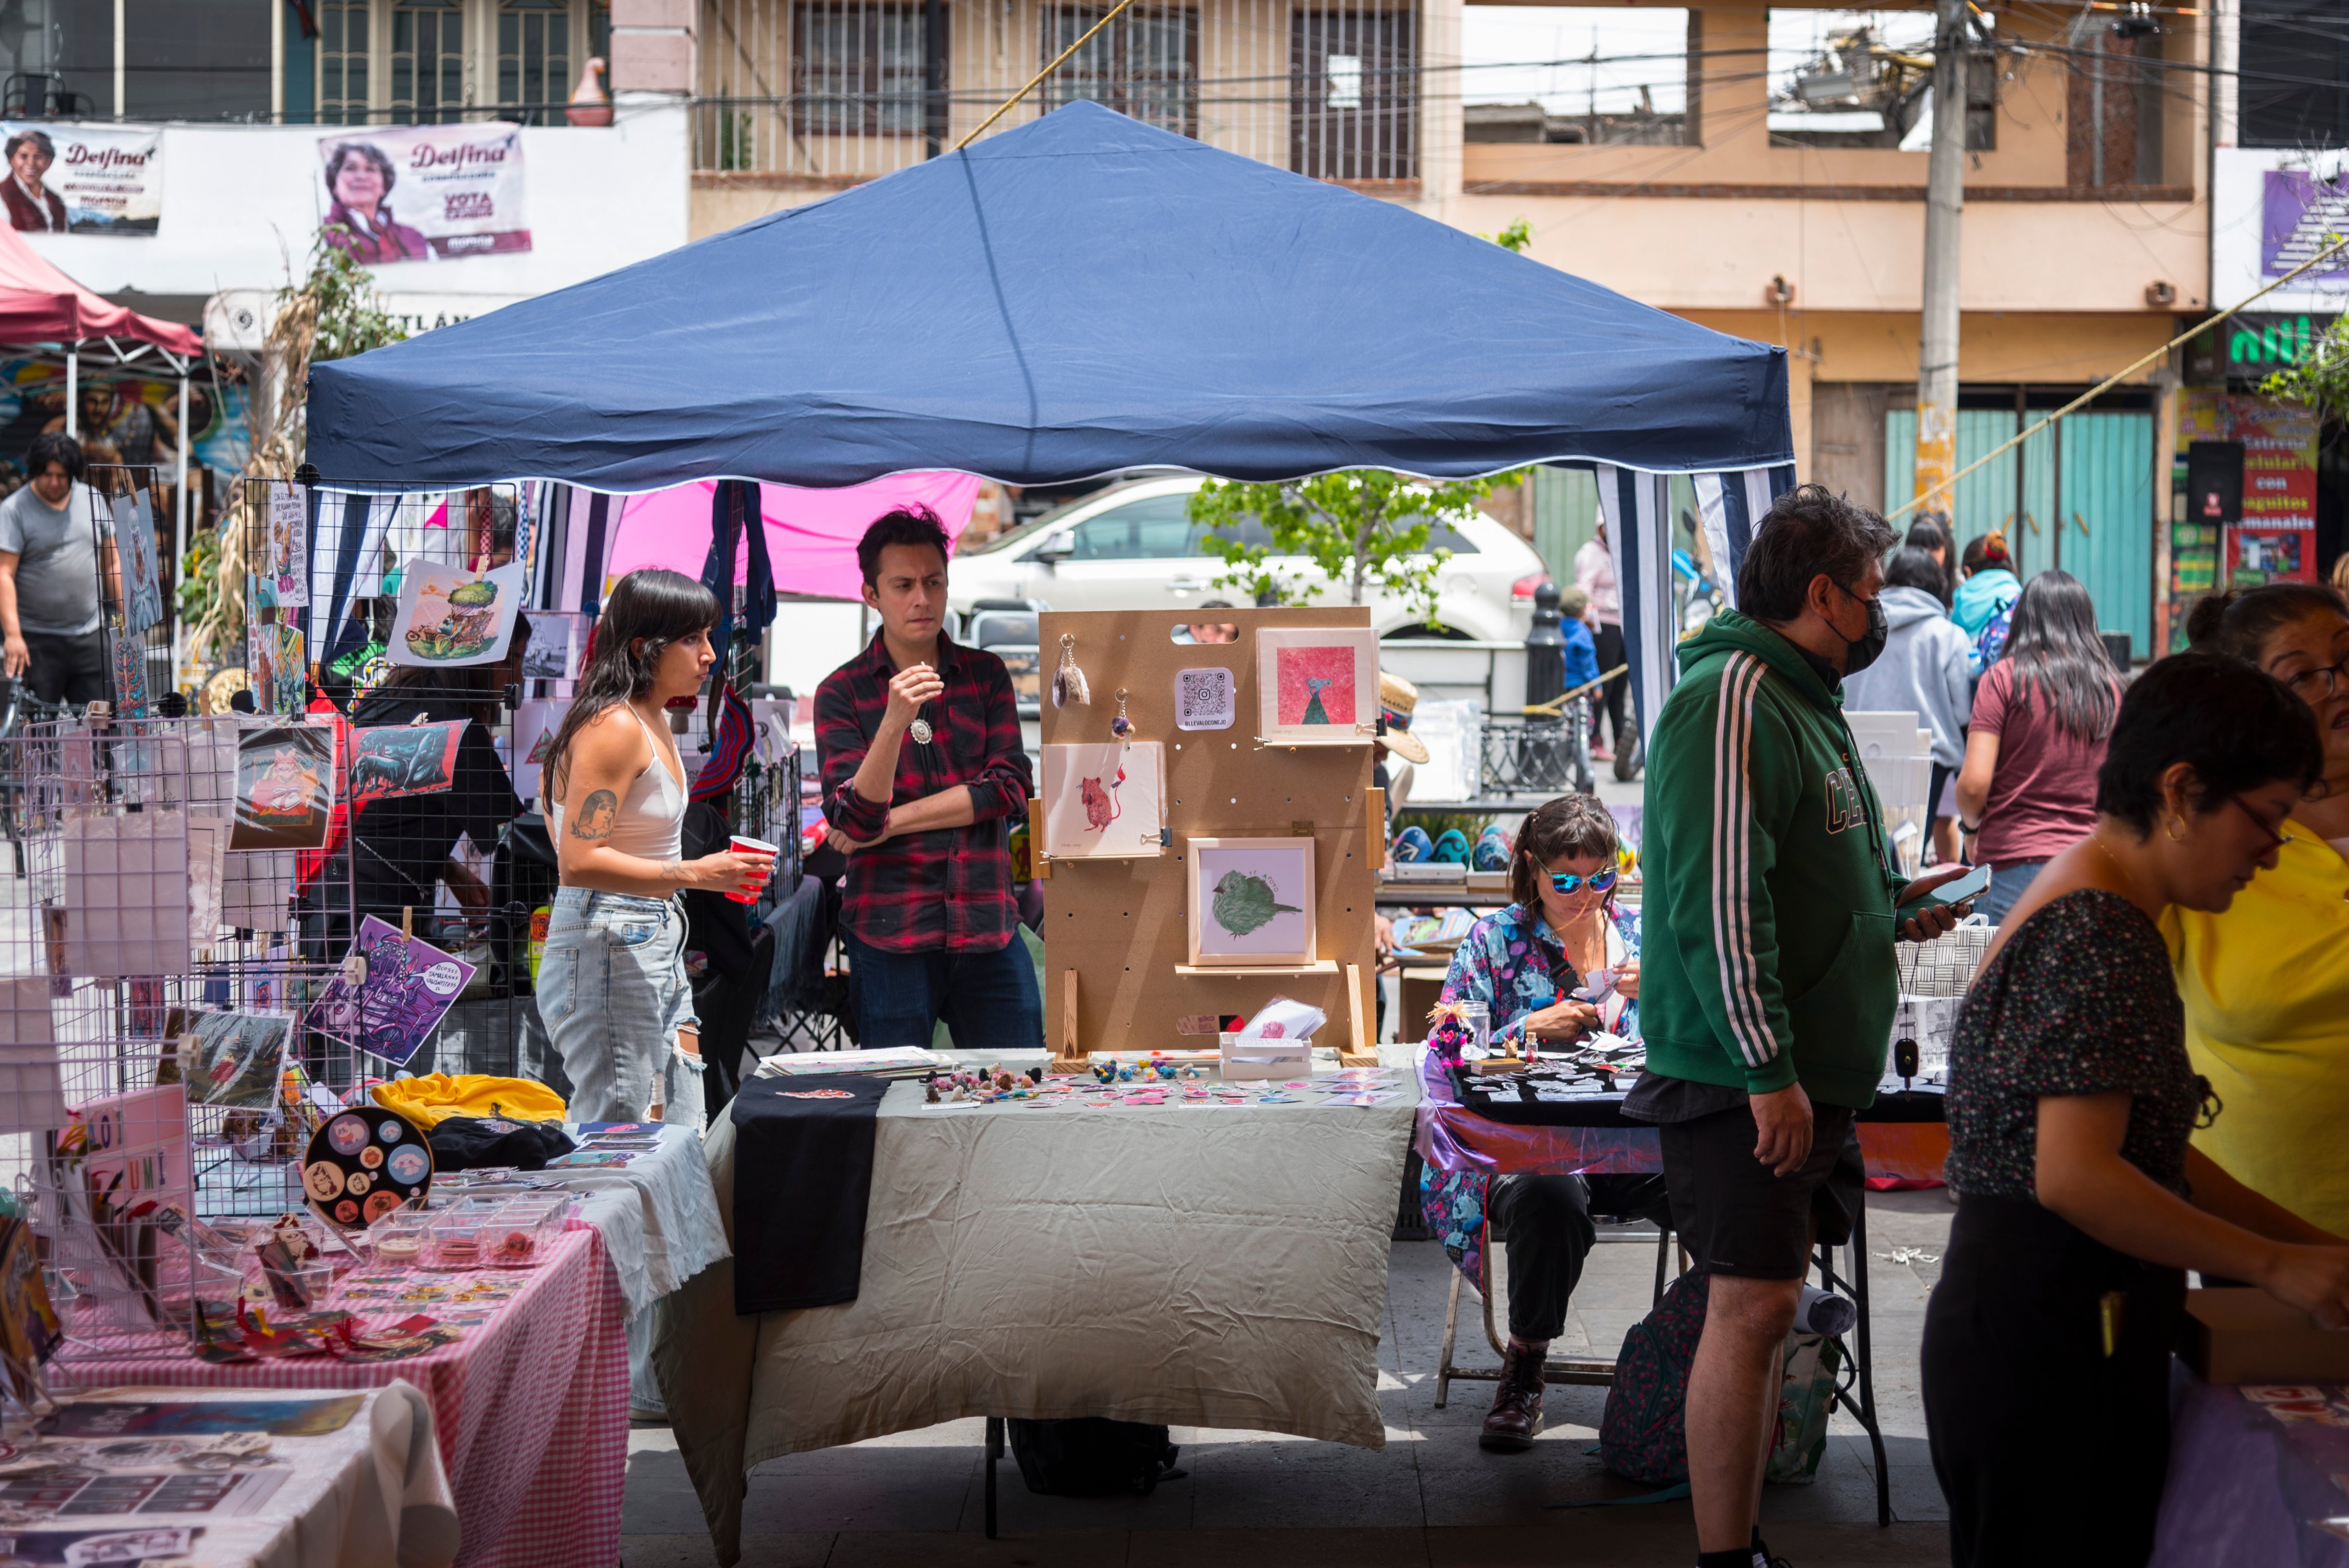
{"x": 1642, "y": 1436}
{"x": 1092, "y": 1456}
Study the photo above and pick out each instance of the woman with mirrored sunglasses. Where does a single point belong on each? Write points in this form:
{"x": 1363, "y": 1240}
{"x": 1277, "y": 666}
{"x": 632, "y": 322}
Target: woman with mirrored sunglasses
{"x": 1565, "y": 932}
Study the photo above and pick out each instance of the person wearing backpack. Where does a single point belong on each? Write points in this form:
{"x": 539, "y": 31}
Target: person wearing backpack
{"x": 1987, "y": 584}
{"x": 1772, "y": 908}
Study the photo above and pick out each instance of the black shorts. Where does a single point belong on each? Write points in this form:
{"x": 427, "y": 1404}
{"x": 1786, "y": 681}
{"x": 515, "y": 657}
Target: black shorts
{"x": 1735, "y": 1217}
{"x": 69, "y": 667}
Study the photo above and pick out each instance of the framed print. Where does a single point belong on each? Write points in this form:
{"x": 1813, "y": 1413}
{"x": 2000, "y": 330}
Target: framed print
{"x": 1250, "y": 901}
{"x": 284, "y": 787}
{"x": 535, "y": 723}
{"x": 389, "y": 760}
{"x": 1104, "y": 800}
{"x": 450, "y": 618}
{"x": 1316, "y": 686}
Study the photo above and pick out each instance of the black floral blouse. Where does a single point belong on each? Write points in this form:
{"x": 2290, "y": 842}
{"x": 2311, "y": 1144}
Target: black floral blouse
{"x": 2079, "y": 1000}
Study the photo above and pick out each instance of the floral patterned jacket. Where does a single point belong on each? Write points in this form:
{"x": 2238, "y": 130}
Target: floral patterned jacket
{"x": 1514, "y": 965}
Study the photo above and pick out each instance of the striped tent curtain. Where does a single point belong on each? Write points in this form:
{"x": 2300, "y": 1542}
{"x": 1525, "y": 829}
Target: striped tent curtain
{"x": 1638, "y": 510}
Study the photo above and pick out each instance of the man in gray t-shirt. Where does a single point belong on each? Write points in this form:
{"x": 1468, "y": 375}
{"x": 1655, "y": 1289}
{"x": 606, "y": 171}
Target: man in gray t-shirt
{"x": 50, "y": 555}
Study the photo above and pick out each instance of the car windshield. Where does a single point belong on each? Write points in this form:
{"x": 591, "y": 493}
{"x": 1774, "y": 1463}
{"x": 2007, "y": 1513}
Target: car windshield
{"x": 1158, "y": 527}
{"x": 1043, "y": 519}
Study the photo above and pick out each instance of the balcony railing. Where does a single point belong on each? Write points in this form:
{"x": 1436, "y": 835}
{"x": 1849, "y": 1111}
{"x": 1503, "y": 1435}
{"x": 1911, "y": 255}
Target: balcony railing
{"x": 831, "y": 92}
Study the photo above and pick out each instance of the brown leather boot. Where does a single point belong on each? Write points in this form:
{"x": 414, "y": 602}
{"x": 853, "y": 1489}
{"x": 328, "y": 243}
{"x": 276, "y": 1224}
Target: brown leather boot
{"x": 1517, "y": 1410}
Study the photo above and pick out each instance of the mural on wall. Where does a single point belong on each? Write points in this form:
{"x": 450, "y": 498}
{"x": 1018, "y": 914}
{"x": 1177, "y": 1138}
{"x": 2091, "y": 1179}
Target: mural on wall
{"x": 133, "y": 421}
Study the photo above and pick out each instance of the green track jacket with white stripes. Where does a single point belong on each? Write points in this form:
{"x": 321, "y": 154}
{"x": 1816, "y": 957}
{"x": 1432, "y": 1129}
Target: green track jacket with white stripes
{"x": 1767, "y": 896}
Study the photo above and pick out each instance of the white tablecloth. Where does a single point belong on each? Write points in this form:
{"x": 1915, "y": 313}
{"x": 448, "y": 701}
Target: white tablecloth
{"x": 658, "y": 1215}
{"x": 1220, "y": 1266}
{"x": 372, "y": 1494}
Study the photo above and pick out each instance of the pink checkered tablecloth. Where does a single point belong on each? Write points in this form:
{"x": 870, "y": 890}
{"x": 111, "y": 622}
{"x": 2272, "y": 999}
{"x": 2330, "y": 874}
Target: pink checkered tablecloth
{"x": 530, "y": 1410}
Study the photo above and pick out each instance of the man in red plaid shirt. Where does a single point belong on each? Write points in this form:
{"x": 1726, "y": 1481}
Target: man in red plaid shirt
{"x": 918, "y": 740}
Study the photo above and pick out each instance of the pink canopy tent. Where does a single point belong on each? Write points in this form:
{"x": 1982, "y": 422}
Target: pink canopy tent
{"x": 39, "y": 304}
{"x": 811, "y": 533}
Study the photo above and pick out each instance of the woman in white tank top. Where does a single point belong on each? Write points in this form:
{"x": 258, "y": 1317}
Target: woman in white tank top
{"x": 612, "y": 987}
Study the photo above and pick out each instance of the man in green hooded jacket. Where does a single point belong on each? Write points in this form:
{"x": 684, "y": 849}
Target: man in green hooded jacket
{"x": 1769, "y": 981}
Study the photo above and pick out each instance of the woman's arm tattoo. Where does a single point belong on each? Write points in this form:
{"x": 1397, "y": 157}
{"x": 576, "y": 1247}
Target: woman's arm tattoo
{"x": 598, "y": 814}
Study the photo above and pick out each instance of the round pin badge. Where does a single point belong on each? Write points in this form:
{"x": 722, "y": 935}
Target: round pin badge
{"x": 362, "y": 1164}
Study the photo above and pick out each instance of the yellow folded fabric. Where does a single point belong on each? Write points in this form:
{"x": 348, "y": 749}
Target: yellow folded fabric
{"x": 431, "y": 1099}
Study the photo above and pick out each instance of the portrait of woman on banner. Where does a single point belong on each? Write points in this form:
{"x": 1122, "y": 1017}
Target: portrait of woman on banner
{"x": 33, "y": 207}
{"x": 359, "y": 218}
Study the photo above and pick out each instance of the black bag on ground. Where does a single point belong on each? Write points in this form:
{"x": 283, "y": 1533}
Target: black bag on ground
{"x": 1092, "y": 1456}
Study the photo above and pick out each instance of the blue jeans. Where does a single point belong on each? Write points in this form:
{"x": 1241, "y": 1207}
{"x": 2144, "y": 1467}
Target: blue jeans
{"x": 988, "y": 999}
{"x": 2007, "y": 884}
{"x": 612, "y": 993}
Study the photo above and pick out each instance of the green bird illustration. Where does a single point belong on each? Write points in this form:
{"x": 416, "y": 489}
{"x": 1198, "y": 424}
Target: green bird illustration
{"x": 1244, "y": 903}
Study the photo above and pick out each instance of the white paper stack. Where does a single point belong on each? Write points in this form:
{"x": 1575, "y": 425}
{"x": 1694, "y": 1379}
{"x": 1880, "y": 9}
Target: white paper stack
{"x": 126, "y": 894}
{"x": 31, "y": 1098}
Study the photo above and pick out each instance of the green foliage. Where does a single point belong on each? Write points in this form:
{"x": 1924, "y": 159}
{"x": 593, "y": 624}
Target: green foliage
{"x": 737, "y": 141}
{"x": 2320, "y": 380}
{"x": 1515, "y": 237}
{"x": 1360, "y": 529}
{"x": 339, "y": 294}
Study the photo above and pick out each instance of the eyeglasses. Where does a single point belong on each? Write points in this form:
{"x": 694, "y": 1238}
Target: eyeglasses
{"x": 2275, "y": 840}
{"x": 2329, "y": 678}
{"x": 1567, "y": 882}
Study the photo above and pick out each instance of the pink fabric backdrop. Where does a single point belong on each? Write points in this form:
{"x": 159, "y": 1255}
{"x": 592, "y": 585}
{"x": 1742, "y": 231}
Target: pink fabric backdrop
{"x": 811, "y": 533}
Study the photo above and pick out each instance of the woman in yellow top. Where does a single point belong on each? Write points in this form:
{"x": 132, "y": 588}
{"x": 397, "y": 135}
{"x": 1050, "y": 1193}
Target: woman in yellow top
{"x": 2266, "y": 984}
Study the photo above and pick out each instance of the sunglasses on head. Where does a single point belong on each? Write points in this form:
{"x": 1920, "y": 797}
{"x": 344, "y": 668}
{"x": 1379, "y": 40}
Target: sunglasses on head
{"x": 1567, "y": 882}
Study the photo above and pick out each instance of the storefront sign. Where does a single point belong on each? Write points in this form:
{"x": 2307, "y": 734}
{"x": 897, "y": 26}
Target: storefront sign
{"x": 2272, "y": 210}
{"x": 2276, "y": 540}
{"x": 87, "y": 178}
{"x": 408, "y": 194}
{"x": 2254, "y": 345}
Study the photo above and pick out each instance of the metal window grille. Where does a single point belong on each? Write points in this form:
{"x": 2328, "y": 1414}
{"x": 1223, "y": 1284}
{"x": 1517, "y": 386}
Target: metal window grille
{"x": 343, "y": 47}
{"x": 428, "y": 62}
{"x": 856, "y": 69}
{"x": 1353, "y": 107}
{"x": 534, "y": 63}
{"x": 1144, "y": 64}
{"x": 830, "y": 91}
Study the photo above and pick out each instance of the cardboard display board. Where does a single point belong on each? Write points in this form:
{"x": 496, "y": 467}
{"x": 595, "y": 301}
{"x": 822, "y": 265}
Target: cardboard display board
{"x": 1119, "y": 974}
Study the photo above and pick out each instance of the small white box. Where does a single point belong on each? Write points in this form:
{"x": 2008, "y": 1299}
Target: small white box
{"x": 1244, "y": 1059}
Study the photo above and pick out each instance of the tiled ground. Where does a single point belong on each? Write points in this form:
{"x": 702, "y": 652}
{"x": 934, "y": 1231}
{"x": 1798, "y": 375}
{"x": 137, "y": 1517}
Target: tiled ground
{"x": 1430, "y": 1498}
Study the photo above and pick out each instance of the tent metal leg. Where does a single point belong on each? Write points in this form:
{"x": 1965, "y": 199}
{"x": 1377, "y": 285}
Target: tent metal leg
{"x": 994, "y": 1452}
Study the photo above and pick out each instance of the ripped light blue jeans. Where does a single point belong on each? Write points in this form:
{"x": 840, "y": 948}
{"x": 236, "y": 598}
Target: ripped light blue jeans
{"x": 613, "y": 994}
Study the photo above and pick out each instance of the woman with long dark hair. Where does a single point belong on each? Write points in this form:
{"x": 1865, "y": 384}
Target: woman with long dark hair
{"x": 612, "y": 987}
{"x": 2081, "y": 1202}
{"x": 2028, "y": 789}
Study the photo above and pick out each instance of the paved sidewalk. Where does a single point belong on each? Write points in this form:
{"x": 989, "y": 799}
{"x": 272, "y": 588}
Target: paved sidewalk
{"x": 1430, "y": 1498}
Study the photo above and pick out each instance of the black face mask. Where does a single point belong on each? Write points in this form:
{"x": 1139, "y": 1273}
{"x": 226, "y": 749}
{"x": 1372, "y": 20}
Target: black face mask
{"x": 1857, "y": 655}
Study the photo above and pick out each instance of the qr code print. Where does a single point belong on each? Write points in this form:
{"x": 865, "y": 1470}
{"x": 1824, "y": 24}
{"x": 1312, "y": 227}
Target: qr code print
{"x": 1203, "y": 700}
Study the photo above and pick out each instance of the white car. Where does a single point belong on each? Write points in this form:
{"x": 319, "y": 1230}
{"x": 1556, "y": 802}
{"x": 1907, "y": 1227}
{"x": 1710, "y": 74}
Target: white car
{"x": 1134, "y": 546}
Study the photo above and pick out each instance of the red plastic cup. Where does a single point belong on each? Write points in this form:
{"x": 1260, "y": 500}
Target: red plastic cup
{"x": 743, "y": 844}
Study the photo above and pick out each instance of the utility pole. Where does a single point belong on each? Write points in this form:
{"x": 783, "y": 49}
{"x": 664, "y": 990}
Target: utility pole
{"x": 1945, "y": 197}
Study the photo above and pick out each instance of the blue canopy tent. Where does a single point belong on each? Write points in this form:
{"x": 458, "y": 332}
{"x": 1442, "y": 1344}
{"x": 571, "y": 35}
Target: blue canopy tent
{"x": 1081, "y": 294}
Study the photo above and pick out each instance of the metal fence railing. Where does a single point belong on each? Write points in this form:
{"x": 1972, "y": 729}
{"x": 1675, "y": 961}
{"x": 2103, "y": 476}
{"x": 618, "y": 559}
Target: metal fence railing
{"x": 836, "y": 91}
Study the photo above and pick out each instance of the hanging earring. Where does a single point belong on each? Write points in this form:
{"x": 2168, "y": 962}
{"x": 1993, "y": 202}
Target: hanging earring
{"x": 1120, "y": 726}
{"x": 2175, "y": 827}
{"x": 1067, "y": 680}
